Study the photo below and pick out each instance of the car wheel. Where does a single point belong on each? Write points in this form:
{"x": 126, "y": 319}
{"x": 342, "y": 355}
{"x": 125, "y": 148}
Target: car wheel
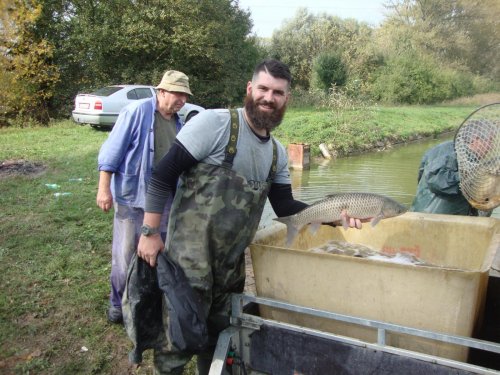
{"x": 99, "y": 127}
{"x": 191, "y": 115}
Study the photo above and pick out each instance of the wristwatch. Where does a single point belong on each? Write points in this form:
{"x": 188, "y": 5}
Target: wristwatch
{"x": 146, "y": 230}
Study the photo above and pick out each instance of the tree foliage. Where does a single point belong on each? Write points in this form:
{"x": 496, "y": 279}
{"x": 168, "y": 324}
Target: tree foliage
{"x": 53, "y": 49}
{"x": 417, "y": 79}
{"x": 197, "y": 37}
{"x": 306, "y": 36}
{"x": 29, "y": 74}
{"x": 463, "y": 34}
{"x": 424, "y": 51}
{"x": 328, "y": 70}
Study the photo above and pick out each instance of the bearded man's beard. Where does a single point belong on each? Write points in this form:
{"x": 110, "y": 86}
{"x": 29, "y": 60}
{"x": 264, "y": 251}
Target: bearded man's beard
{"x": 263, "y": 120}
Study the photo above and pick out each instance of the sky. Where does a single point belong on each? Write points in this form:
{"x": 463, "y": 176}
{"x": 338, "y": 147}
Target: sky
{"x": 268, "y": 15}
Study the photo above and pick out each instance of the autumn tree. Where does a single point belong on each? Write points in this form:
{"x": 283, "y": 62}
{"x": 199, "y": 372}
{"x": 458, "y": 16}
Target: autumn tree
{"x": 28, "y": 73}
{"x": 463, "y": 34}
{"x": 303, "y": 38}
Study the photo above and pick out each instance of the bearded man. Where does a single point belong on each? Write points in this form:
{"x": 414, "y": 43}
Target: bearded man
{"x": 228, "y": 164}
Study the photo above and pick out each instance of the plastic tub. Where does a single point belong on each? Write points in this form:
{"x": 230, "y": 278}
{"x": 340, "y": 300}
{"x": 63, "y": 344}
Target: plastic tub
{"x": 446, "y": 297}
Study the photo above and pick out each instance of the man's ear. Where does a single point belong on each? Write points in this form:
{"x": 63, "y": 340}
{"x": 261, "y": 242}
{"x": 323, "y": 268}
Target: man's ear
{"x": 249, "y": 87}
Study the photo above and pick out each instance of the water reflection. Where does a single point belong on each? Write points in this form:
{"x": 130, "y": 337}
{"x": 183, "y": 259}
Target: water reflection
{"x": 390, "y": 172}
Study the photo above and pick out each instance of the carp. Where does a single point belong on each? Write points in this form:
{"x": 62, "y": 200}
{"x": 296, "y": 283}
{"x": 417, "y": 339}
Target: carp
{"x": 364, "y": 206}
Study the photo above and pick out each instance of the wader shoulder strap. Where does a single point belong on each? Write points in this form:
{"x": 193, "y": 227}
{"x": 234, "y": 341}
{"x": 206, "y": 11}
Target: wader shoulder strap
{"x": 272, "y": 170}
{"x": 233, "y": 139}
{"x": 230, "y": 152}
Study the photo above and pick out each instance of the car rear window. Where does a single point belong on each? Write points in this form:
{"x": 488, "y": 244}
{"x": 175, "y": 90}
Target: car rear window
{"x": 139, "y": 93}
{"x": 107, "y": 91}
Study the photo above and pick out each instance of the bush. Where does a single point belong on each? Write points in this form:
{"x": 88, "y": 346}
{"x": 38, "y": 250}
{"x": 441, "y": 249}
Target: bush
{"x": 413, "y": 79}
{"x": 328, "y": 69}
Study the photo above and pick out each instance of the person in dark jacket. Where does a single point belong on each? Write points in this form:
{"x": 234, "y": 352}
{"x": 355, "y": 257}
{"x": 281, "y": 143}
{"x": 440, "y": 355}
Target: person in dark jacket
{"x": 438, "y": 189}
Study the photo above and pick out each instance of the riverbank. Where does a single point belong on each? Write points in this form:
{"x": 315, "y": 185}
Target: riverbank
{"x": 379, "y": 128}
{"x": 371, "y": 128}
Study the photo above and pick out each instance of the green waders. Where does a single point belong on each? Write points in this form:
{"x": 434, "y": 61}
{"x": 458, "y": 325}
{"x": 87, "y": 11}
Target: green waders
{"x": 214, "y": 217}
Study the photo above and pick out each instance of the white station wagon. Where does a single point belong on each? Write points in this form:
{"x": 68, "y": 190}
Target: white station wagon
{"x": 101, "y": 108}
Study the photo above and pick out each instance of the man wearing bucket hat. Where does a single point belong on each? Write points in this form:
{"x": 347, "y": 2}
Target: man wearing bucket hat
{"x": 143, "y": 133}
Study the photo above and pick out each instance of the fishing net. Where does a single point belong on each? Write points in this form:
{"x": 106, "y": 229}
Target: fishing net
{"x": 477, "y": 145}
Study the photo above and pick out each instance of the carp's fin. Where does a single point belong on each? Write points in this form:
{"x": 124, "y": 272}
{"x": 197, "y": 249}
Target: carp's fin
{"x": 291, "y": 233}
{"x": 376, "y": 219}
{"x": 345, "y": 224}
{"x": 291, "y": 230}
{"x": 313, "y": 227}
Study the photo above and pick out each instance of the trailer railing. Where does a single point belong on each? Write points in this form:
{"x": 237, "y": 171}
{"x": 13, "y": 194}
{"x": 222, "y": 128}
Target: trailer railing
{"x": 241, "y": 319}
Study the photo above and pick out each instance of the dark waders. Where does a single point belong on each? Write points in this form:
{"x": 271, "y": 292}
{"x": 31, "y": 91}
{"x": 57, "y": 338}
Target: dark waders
{"x": 214, "y": 217}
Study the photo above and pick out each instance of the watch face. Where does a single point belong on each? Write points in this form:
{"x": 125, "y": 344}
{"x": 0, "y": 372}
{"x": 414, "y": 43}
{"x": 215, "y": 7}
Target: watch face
{"x": 147, "y": 230}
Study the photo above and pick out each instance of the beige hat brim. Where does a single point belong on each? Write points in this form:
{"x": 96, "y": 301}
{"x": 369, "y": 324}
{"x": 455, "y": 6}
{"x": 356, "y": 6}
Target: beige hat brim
{"x": 174, "y": 88}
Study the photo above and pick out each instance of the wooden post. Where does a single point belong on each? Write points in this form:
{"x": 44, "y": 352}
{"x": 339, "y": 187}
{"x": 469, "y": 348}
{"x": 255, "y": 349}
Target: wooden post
{"x": 324, "y": 151}
{"x": 298, "y": 156}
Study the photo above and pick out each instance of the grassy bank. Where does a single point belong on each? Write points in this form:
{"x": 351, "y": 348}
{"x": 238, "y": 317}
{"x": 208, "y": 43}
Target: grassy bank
{"x": 375, "y": 127}
{"x": 55, "y": 251}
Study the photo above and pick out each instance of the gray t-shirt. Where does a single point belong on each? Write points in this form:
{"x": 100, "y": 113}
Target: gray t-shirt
{"x": 165, "y": 133}
{"x": 206, "y": 137}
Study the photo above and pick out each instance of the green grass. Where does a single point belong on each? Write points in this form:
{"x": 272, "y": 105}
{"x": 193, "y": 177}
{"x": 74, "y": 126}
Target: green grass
{"x": 55, "y": 252}
{"x": 367, "y": 128}
{"x": 55, "y": 257}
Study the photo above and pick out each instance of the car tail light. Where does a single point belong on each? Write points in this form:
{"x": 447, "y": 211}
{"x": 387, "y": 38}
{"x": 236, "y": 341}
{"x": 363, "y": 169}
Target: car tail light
{"x": 98, "y": 105}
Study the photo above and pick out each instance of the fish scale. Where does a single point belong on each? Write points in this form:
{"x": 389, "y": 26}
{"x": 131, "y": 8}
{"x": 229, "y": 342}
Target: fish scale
{"x": 329, "y": 209}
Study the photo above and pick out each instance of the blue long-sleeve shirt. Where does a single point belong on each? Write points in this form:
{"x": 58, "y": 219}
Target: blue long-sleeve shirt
{"x": 129, "y": 150}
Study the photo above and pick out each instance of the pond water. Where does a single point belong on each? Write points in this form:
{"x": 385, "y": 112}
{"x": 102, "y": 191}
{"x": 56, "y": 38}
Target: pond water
{"x": 391, "y": 172}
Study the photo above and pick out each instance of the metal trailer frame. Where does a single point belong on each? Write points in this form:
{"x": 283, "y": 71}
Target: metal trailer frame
{"x": 253, "y": 345}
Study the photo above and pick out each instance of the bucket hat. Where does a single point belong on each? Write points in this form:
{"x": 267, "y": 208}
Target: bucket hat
{"x": 175, "y": 81}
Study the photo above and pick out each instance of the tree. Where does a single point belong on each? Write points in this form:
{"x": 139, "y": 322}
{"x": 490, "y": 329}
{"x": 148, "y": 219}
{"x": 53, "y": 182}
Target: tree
{"x": 328, "y": 70}
{"x": 53, "y": 49}
{"x": 460, "y": 33}
{"x": 305, "y": 37}
{"x": 29, "y": 74}
{"x": 207, "y": 39}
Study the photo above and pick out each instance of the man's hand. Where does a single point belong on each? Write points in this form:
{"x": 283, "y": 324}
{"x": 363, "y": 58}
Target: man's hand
{"x": 149, "y": 247}
{"x": 350, "y": 222}
{"x": 104, "y": 199}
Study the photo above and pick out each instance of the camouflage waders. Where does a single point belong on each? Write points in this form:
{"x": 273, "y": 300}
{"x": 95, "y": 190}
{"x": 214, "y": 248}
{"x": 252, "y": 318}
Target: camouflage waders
{"x": 214, "y": 216}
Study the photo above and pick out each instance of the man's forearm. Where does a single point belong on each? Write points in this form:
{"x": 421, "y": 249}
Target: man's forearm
{"x": 104, "y": 180}
{"x": 281, "y": 199}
